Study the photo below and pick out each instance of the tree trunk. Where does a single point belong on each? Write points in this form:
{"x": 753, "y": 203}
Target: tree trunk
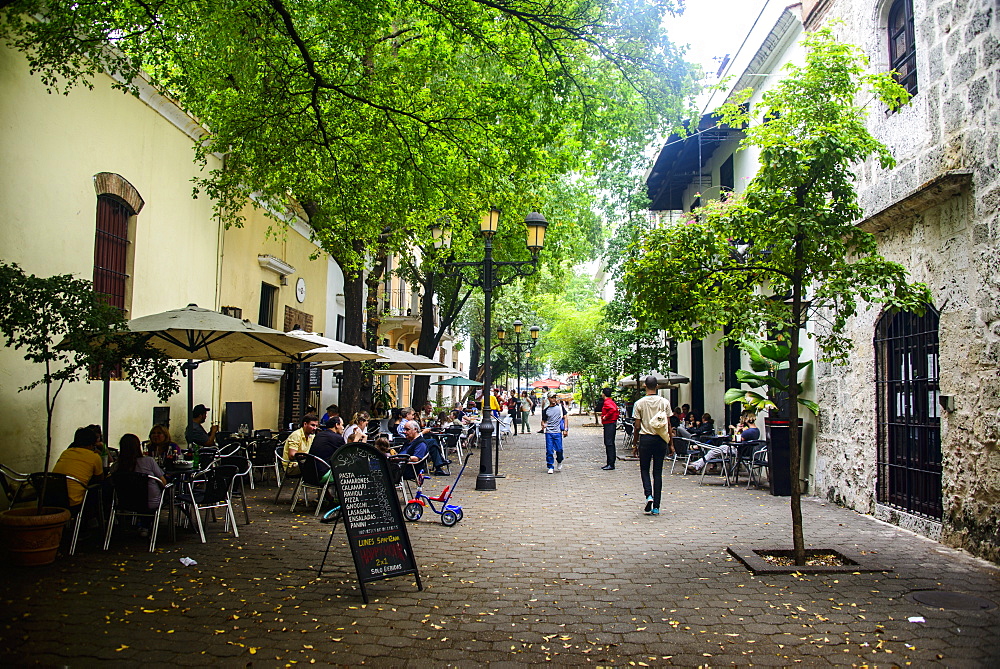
{"x": 373, "y": 320}
{"x": 794, "y": 440}
{"x": 427, "y": 343}
{"x": 354, "y": 312}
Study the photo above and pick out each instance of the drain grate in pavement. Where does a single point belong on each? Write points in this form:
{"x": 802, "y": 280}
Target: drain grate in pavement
{"x": 959, "y": 601}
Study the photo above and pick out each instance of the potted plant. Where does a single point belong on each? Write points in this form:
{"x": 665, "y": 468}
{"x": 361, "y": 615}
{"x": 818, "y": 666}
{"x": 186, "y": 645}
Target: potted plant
{"x": 769, "y": 372}
{"x": 59, "y": 322}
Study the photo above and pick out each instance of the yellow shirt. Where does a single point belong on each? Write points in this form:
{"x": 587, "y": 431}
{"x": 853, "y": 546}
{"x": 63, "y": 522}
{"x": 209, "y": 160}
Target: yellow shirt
{"x": 298, "y": 441}
{"x": 81, "y": 463}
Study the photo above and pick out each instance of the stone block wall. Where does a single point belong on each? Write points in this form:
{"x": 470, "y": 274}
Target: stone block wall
{"x": 950, "y": 241}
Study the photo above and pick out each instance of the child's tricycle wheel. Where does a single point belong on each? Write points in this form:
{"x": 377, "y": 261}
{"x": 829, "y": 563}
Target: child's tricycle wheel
{"x": 449, "y": 518}
{"x": 413, "y": 511}
{"x": 459, "y": 514}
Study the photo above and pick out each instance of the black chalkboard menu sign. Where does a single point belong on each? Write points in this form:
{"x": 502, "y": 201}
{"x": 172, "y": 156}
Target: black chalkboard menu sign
{"x": 372, "y": 518}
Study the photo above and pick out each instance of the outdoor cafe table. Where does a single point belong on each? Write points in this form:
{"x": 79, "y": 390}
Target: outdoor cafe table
{"x": 178, "y": 478}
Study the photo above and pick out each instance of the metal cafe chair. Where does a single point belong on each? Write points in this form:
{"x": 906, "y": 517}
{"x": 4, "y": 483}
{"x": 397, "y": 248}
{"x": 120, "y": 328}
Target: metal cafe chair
{"x": 684, "y": 449}
{"x": 313, "y": 469}
{"x": 15, "y": 486}
{"x": 57, "y": 495}
{"x": 211, "y": 489}
{"x": 243, "y": 469}
{"x": 264, "y": 458}
{"x": 284, "y": 471}
{"x": 757, "y": 464}
{"x": 726, "y": 460}
{"x": 131, "y": 499}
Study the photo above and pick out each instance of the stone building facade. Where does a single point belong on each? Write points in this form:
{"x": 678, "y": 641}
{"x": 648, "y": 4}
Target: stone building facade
{"x": 911, "y": 425}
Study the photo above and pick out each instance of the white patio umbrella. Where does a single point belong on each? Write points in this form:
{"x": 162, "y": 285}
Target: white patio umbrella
{"x": 202, "y": 334}
{"x": 326, "y": 350}
{"x": 194, "y": 333}
{"x": 662, "y": 381}
{"x": 397, "y": 362}
{"x": 432, "y": 371}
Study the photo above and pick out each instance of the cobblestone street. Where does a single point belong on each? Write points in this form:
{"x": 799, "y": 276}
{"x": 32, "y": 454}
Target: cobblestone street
{"x": 560, "y": 568}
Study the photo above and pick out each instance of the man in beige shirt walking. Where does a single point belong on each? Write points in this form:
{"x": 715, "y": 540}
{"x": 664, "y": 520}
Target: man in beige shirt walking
{"x": 652, "y": 447}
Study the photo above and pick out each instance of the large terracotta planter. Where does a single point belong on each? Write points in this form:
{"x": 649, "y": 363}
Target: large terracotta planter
{"x": 30, "y": 539}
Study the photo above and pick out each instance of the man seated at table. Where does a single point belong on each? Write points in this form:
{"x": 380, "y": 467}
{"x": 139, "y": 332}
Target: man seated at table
{"x": 195, "y": 434}
{"x": 301, "y": 440}
{"x": 433, "y": 447}
{"x": 82, "y": 462}
{"x": 416, "y": 448}
{"x": 747, "y": 431}
{"x": 331, "y": 411}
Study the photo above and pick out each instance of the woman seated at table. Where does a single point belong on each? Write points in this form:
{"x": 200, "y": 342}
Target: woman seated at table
{"x": 161, "y": 446}
{"x": 131, "y": 459}
{"x": 705, "y": 428}
{"x": 359, "y": 424}
{"x": 395, "y": 418}
{"x": 747, "y": 431}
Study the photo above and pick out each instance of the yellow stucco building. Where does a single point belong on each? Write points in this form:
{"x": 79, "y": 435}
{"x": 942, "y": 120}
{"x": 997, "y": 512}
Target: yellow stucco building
{"x": 98, "y": 184}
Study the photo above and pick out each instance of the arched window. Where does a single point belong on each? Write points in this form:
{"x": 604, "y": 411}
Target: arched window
{"x": 902, "y": 44}
{"x": 117, "y": 202}
{"x": 909, "y": 421}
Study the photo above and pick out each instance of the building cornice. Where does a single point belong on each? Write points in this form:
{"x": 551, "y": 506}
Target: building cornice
{"x": 919, "y": 200}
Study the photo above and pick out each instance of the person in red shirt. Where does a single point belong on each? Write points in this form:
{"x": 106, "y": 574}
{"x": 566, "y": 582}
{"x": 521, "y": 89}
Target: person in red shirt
{"x": 609, "y": 419}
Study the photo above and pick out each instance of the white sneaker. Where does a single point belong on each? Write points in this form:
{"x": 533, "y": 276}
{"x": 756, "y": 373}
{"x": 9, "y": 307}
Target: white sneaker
{"x": 551, "y": 471}
{"x": 559, "y": 467}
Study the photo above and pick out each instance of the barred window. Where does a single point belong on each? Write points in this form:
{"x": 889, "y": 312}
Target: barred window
{"x": 902, "y": 45}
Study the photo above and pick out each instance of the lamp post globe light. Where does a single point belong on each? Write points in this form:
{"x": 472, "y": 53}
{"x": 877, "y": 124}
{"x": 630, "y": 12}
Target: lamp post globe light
{"x": 518, "y": 347}
{"x": 485, "y": 276}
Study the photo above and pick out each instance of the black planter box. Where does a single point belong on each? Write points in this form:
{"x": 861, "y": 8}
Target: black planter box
{"x": 779, "y": 455}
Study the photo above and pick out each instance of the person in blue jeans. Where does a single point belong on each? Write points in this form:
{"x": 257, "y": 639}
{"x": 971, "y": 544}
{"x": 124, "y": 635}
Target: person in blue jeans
{"x": 554, "y": 426}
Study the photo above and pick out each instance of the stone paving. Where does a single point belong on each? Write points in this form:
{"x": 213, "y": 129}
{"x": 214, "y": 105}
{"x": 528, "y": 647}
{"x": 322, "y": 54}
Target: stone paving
{"x": 562, "y": 569}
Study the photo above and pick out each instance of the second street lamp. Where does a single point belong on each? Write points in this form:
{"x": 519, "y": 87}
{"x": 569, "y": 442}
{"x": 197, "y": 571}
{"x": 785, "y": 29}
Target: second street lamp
{"x": 487, "y": 278}
{"x": 518, "y": 347}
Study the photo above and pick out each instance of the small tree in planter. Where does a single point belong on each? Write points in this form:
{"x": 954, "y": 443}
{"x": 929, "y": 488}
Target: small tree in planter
{"x": 791, "y": 234}
{"x": 61, "y": 323}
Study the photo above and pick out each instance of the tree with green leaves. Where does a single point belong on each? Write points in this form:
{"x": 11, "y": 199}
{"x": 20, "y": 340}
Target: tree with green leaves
{"x": 60, "y": 323}
{"x": 377, "y": 117}
{"x": 786, "y": 250}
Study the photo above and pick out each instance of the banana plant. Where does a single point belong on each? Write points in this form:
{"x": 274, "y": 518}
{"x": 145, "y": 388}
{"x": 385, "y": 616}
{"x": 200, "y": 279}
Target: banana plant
{"x": 767, "y": 360}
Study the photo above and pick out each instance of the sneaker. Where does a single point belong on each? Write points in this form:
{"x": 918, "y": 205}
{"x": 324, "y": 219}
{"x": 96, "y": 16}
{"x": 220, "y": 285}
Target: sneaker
{"x": 559, "y": 467}
{"x": 331, "y": 515}
{"x": 551, "y": 471}
{"x": 654, "y": 512}
{"x": 649, "y": 505}
{"x": 608, "y": 468}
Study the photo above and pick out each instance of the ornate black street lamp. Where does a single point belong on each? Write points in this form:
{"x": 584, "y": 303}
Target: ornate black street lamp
{"x": 518, "y": 347}
{"x": 486, "y": 277}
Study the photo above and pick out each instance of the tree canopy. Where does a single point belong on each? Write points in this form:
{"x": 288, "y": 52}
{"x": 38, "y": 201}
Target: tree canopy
{"x": 375, "y": 113}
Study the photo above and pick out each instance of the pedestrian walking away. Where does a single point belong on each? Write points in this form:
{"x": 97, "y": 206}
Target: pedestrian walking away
{"x": 652, "y": 446}
{"x": 555, "y": 428}
{"x": 609, "y": 419}
{"x": 526, "y": 410}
